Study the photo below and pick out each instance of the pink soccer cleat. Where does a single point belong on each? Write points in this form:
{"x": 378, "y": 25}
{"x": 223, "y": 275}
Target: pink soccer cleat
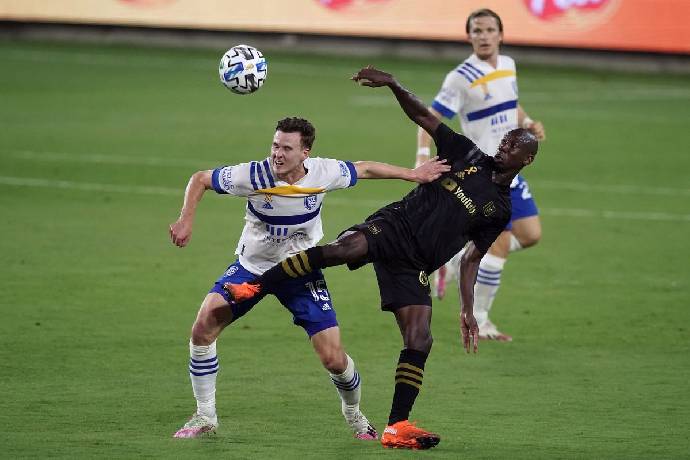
{"x": 198, "y": 426}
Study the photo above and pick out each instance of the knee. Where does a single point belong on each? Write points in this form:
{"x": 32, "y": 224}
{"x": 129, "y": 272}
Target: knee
{"x": 333, "y": 360}
{"x": 202, "y": 333}
{"x": 419, "y": 338}
{"x": 349, "y": 248}
{"x": 530, "y": 238}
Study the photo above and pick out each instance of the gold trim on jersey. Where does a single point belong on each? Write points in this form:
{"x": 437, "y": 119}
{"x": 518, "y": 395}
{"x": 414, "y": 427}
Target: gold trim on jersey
{"x": 495, "y": 75}
{"x": 291, "y": 190}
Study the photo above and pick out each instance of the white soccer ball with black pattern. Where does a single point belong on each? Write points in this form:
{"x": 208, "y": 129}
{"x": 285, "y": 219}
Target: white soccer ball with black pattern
{"x": 243, "y": 69}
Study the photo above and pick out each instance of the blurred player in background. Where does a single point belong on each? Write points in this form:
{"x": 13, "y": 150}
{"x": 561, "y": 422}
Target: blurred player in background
{"x": 483, "y": 90}
{"x": 284, "y": 195}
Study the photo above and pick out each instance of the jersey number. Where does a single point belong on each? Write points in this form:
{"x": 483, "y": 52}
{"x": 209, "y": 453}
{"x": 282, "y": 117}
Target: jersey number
{"x": 318, "y": 290}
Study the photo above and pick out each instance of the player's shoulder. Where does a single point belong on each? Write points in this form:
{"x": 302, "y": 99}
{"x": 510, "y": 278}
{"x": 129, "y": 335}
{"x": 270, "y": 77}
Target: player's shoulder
{"x": 326, "y": 165}
{"x": 470, "y": 69}
{"x": 319, "y": 162}
{"x": 506, "y": 62}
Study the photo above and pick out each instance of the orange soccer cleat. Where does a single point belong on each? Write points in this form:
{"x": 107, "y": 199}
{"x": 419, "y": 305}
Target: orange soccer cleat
{"x": 405, "y": 435}
{"x": 241, "y": 292}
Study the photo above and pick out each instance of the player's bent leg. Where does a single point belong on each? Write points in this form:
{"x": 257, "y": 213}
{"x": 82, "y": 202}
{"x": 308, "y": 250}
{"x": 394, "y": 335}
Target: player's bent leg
{"x": 346, "y": 379}
{"x": 527, "y": 231}
{"x": 351, "y": 247}
{"x": 487, "y": 285}
{"x": 214, "y": 315}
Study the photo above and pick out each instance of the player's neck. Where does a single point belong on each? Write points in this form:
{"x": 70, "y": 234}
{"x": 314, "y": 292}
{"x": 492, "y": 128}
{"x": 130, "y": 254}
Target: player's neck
{"x": 504, "y": 177}
{"x": 492, "y": 60}
{"x": 293, "y": 176}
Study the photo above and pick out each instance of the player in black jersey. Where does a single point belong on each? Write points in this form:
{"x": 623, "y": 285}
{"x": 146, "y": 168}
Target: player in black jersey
{"x": 411, "y": 238}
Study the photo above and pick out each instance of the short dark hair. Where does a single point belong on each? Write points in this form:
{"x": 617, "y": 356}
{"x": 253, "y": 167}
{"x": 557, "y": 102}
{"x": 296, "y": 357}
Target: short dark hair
{"x": 484, "y": 12}
{"x": 298, "y": 125}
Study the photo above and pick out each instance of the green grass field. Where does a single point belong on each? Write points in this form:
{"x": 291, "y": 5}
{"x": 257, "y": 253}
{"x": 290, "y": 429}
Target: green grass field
{"x": 96, "y": 146}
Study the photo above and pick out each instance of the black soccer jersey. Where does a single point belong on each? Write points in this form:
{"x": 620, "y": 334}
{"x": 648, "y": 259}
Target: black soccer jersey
{"x": 464, "y": 204}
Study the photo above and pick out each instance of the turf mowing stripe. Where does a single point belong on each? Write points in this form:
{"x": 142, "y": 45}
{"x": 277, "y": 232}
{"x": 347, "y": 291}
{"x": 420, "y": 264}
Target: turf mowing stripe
{"x": 146, "y": 190}
{"x": 97, "y": 158}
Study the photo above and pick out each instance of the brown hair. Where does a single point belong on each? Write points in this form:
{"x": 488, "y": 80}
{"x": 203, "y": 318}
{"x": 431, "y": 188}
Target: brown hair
{"x": 484, "y": 12}
{"x": 298, "y": 125}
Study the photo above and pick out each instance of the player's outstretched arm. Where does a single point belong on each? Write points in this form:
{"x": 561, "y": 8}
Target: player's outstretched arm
{"x": 427, "y": 172}
{"x": 181, "y": 229}
{"x": 424, "y": 142}
{"x": 469, "y": 266}
{"x": 411, "y": 105}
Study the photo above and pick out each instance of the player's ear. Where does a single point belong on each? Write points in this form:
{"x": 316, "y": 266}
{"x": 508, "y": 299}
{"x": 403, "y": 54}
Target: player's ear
{"x": 528, "y": 160}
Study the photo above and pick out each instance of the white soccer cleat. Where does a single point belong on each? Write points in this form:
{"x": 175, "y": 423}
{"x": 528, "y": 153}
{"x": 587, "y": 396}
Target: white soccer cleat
{"x": 488, "y": 331}
{"x": 359, "y": 424}
{"x": 198, "y": 426}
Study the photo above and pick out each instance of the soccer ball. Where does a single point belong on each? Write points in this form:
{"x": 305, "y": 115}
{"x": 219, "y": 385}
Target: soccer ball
{"x": 243, "y": 69}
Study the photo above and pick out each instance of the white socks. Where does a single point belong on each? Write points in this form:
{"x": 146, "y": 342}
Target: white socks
{"x": 348, "y": 386}
{"x": 203, "y": 368}
{"x": 488, "y": 281}
{"x": 514, "y": 244}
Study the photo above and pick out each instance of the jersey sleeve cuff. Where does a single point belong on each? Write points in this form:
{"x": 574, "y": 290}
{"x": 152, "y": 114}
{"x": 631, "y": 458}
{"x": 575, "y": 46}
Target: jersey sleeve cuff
{"x": 442, "y": 109}
{"x": 353, "y": 173}
{"x": 216, "y": 183}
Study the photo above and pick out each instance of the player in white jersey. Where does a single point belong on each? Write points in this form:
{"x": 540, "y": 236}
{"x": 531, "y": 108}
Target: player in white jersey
{"x": 483, "y": 91}
{"x": 284, "y": 195}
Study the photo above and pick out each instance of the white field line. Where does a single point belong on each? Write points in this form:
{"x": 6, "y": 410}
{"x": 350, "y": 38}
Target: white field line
{"x": 336, "y": 201}
{"x": 97, "y": 158}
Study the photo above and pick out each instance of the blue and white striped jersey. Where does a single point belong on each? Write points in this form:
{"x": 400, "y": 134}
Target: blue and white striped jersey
{"x": 485, "y": 97}
{"x": 281, "y": 219}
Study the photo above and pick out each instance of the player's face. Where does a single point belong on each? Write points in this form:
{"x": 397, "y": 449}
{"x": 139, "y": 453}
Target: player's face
{"x": 485, "y": 37}
{"x": 287, "y": 153}
{"x": 509, "y": 155}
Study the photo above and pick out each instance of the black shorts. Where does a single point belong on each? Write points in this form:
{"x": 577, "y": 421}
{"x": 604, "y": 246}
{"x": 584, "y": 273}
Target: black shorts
{"x": 402, "y": 280}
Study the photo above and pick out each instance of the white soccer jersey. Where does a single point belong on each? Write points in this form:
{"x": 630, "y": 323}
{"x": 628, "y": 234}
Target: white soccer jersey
{"x": 486, "y": 99}
{"x": 281, "y": 219}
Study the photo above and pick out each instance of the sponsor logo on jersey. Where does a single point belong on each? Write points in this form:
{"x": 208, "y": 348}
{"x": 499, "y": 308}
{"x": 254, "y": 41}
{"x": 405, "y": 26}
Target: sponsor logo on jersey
{"x": 452, "y": 186}
{"x": 267, "y": 202}
{"x": 226, "y": 178}
{"x": 232, "y": 270}
{"x": 343, "y": 169}
{"x": 310, "y": 202}
{"x": 423, "y": 278}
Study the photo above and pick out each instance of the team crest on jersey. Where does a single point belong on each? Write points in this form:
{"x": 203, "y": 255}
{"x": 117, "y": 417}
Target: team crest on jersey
{"x": 310, "y": 202}
{"x": 489, "y": 209}
{"x": 267, "y": 202}
{"x": 374, "y": 229}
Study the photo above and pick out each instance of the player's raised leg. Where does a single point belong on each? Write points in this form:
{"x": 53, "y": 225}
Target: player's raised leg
{"x": 351, "y": 247}
{"x": 346, "y": 379}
